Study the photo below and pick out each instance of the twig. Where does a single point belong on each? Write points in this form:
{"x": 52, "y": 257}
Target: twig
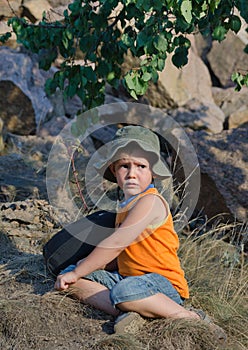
{"x": 12, "y": 10}
{"x": 75, "y": 174}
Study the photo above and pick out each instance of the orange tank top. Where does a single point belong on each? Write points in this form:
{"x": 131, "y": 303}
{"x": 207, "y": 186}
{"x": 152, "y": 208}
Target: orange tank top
{"x": 155, "y": 250}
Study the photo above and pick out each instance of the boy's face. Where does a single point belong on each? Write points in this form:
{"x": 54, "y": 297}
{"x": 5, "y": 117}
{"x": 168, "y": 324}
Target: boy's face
{"x": 132, "y": 172}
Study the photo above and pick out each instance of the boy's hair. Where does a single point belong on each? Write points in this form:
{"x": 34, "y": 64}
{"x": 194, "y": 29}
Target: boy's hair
{"x": 138, "y": 136}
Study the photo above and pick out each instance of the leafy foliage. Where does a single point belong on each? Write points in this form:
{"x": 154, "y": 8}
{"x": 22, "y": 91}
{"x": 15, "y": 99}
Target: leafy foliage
{"x": 106, "y": 30}
{"x": 240, "y": 80}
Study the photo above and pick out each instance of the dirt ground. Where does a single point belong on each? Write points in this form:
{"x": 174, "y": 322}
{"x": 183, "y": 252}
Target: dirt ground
{"x": 34, "y": 316}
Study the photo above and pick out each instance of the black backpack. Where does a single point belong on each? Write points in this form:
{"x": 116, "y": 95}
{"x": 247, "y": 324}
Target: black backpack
{"x": 77, "y": 240}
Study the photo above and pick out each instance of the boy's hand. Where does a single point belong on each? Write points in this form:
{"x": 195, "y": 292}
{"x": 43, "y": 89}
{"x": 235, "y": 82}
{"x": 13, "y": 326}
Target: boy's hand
{"x": 63, "y": 281}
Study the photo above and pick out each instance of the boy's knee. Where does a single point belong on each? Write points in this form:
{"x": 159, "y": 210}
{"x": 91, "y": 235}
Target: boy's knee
{"x": 125, "y": 306}
{"x": 119, "y": 292}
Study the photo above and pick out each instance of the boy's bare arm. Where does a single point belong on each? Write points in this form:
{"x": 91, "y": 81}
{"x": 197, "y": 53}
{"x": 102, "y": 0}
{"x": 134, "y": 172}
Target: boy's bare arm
{"x": 111, "y": 266}
{"x": 147, "y": 211}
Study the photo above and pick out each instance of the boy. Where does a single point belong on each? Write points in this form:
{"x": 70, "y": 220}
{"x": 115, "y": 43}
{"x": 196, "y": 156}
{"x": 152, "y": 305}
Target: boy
{"x": 148, "y": 279}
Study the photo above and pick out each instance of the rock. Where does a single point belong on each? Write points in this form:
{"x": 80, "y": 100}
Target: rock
{"x": 191, "y": 82}
{"x": 57, "y": 9}
{"x": 57, "y": 3}
{"x": 234, "y": 104}
{"x": 238, "y": 119}
{"x": 22, "y": 171}
{"x": 159, "y": 97}
{"x": 190, "y": 87}
{"x": 72, "y": 106}
{"x": 225, "y": 61}
{"x": 16, "y": 109}
{"x": 23, "y": 72}
{"x": 4, "y": 28}
{"x": 56, "y": 13}
{"x": 34, "y": 12}
{"x": 223, "y": 161}
{"x": 156, "y": 94}
{"x": 7, "y": 8}
{"x": 53, "y": 126}
{"x": 203, "y": 45}
{"x": 198, "y": 115}
{"x": 243, "y": 34}
{"x": 29, "y": 223}
{"x": 2, "y": 136}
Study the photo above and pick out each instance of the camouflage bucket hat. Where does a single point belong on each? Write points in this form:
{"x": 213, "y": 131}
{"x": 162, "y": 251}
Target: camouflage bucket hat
{"x": 144, "y": 138}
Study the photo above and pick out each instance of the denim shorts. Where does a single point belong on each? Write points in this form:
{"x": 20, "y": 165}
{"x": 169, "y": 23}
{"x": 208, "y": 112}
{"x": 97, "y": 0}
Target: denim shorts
{"x": 132, "y": 287}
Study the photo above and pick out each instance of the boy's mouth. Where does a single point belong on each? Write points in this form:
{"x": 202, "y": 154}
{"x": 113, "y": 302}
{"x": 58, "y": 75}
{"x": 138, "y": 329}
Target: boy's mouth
{"x": 131, "y": 184}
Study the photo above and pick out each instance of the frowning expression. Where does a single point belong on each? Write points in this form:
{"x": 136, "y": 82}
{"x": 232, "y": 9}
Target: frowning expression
{"x": 133, "y": 172}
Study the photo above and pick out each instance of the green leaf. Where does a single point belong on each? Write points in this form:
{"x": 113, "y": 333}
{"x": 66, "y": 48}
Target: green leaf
{"x": 110, "y": 76}
{"x": 141, "y": 39}
{"x": 143, "y": 5}
{"x": 160, "y": 43}
{"x": 180, "y": 57}
{"x": 243, "y": 8}
{"x": 155, "y": 76}
{"x": 129, "y": 81}
{"x": 146, "y": 76}
{"x": 160, "y": 64}
{"x": 133, "y": 94}
{"x": 89, "y": 74}
{"x": 140, "y": 84}
{"x": 5, "y": 37}
{"x": 103, "y": 68}
{"x": 65, "y": 42}
{"x": 239, "y": 79}
{"x": 50, "y": 86}
{"x": 83, "y": 81}
{"x": 70, "y": 90}
{"x": 69, "y": 34}
{"x": 186, "y": 10}
{"x": 127, "y": 40}
{"x": 235, "y": 23}
{"x": 219, "y": 33}
{"x": 213, "y": 5}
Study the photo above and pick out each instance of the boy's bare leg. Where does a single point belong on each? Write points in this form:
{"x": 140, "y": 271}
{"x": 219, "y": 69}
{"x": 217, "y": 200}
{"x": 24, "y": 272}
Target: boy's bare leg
{"x": 94, "y": 294}
{"x": 156, "y": 306}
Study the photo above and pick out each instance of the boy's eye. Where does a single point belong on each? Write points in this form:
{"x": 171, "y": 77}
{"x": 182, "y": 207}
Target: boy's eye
{"x": 142, "y": 166}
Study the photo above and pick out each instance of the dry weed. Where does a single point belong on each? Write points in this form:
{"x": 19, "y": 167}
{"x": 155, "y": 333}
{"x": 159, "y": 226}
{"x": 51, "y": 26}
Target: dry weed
{"x": 34, "y": 317}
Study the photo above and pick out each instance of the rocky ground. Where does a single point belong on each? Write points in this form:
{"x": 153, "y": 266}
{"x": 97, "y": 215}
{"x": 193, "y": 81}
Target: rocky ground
{"x": 34, "y": 316}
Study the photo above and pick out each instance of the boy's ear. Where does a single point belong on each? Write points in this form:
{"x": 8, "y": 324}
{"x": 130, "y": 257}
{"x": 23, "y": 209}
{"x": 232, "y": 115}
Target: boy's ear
{"x": 112, "y": 168}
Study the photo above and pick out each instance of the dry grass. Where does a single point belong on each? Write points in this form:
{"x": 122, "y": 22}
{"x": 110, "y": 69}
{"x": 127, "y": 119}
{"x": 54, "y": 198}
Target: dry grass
{"x": 33, "y": 316}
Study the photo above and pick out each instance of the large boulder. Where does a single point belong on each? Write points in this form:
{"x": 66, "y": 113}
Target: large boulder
{"x": 234, "y": 104}
{"x": 16, "y": 109}
{"x": 20, "y": 74}
{"x": 190, "y": 88}
{"x": 199, "y": 115}
{"x": 191, "y": 82}
{"x": 227, "y": 57}
{"x": 223, "y": 161}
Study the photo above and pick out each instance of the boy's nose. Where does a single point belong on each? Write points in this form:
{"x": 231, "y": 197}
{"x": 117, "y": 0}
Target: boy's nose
{"x": 131, "y": 172}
